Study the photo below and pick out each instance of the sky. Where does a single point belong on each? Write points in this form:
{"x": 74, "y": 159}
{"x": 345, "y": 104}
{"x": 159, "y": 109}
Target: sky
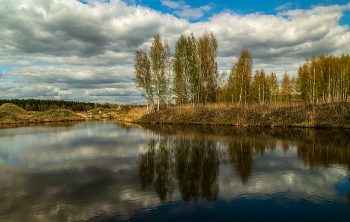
{"x": 83, "y": 50}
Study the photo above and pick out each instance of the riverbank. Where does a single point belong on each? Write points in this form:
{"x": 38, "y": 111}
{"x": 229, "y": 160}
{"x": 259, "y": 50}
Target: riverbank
{"x": 12, "y": 114}
{"x": 125, "y": 113}
{"x": 329, "y": 115}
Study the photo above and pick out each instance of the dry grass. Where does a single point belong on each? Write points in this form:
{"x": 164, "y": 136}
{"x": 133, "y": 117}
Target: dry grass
{"x": 12, "y": 114}
{"x": 135, "y": 114}
{"x": 127, "y": 113}
{"x": 10, "y": 108}
{"x": 320, "y": 115}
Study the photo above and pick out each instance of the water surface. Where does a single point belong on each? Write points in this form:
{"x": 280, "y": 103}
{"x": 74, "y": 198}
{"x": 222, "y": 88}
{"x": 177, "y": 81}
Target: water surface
{"x": 108, "y": 171}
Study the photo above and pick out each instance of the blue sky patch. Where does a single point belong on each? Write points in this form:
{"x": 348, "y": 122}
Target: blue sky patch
{"x": 5, "y": 67}
{"x": 268, "y": 7}
{"x": 345, "y": 20}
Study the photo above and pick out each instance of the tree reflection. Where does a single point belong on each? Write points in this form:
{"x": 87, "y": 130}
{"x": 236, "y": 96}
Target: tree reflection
{"x": 316, "y": 154}
{"x": 146, "y": 167}
{"x": 348, "y": 194}
{"x": 260, "y": 147}
{"x": 241, "y": 155}
{"x": 156, "y": 168}
{"x": 196, "y": 157}
{"x": 197, "y": 169}
{"x": 187, "y": 169}
{"x": 164, "y": 173}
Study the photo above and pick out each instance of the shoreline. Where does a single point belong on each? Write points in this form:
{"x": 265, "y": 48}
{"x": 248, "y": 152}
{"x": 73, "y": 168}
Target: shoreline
{"x": 316, "y": 126}
{"x": 42, "y": 121}
{"x": 328, "y": 115}
{"x": 334, "y": 115}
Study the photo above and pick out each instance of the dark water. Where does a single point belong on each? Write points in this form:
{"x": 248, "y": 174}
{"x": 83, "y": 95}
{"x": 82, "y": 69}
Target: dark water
{"x": 107, "y": 171}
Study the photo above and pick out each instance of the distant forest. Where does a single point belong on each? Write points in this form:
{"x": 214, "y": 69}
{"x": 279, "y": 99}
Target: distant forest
{"x": 43, "y": 105}
{"x": 191, "y": 76}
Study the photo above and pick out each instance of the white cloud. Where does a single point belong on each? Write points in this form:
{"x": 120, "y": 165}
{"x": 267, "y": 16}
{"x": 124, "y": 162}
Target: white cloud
{"x": 193, "y": 13}
{"x": 186, "y": 11}
{"x": 286, "y": 6}
{"x": 111, "y": 92}
{"x": 283, "y": 40}
{"x": 82, "y": 48}
{"x": 173, "y": 4}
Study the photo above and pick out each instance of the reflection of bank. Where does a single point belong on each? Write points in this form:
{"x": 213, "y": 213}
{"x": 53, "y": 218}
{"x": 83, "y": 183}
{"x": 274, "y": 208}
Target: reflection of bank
{"x": 197, "y": 157}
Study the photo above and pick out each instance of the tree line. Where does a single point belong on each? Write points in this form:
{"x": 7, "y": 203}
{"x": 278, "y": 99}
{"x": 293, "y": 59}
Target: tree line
{"x": 43, "y": 105}
{"x": 325, "y": 79}
{"x": 191, "y": 76}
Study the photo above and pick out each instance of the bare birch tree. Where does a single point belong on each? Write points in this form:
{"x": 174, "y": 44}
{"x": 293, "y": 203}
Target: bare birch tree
{"x": 158, "y": 67}
{"x": 241, "y": 75}
{"x": 142, "y": 71}
{"x": 167, "y": 69}
{"x": 207, "y": 51}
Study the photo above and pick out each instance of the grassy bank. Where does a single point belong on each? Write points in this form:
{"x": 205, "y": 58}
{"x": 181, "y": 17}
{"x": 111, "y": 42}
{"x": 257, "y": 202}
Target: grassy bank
{"x": 329, "y": 115}
{"x": 335, "y": 115}
{"x": 126, "y": 113}
{"x": 12, "y": 114}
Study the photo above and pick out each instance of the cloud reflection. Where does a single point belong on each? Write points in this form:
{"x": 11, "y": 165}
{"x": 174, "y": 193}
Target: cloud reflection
{"x": 97, "y": 169}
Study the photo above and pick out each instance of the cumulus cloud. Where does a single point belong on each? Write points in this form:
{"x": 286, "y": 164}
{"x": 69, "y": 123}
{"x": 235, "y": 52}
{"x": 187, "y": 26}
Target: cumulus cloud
{"x": 68, "y": 82}
{"x": 284, "y": 39}
{"x": 54, "y": 47}
{"x": 70, "y": 28}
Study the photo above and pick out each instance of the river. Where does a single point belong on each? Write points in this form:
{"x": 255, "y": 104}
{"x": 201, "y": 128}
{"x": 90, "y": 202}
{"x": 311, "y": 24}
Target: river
{"x": 110, "y": 171}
